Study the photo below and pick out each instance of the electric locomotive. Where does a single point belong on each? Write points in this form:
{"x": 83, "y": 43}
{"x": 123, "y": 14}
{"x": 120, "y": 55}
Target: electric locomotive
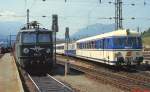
{"x": 34, "y": 49}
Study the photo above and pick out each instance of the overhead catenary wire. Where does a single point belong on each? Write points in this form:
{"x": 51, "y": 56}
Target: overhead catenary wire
{"x": 101, "y": 2}
{"x": 75, "y": 17}
{"x": 145, "y": 3}
{"x": 104, "y": 2}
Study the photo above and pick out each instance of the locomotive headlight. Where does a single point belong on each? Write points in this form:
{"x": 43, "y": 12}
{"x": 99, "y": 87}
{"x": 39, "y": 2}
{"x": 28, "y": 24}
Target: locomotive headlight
{"x": 48, "y": 50}
{"x": 26, "y": 50}
{"x": 129, "y": 53}
{"x": 118, "y": 54}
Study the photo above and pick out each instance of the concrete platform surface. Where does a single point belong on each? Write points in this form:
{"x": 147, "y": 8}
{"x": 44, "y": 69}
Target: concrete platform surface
{"x": 9, "y": 76}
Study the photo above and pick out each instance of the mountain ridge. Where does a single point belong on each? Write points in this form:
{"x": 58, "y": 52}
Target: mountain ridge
{"x": 93, "y": 30}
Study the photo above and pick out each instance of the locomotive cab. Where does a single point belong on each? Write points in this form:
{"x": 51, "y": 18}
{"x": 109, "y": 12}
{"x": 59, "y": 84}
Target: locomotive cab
{"x": 34, "y": 49}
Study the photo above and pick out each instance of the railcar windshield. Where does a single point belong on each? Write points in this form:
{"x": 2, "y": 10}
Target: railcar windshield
{"x": 43, "y": 38}
{"x": 29, "y": 38}
{"x": 128, "y": 43}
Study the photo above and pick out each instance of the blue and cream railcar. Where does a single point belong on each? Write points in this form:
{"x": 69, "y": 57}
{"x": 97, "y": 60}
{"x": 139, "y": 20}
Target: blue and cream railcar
{"x": 60, "y": 48}
{"x": 121, "y": 47}
{"x": 71, "y": 49}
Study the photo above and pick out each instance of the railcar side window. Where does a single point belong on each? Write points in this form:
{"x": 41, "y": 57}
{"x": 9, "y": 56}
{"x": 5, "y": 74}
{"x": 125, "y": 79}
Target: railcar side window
{"x": 105, "y": 43}
{"x": 29, "y": 38}
{"x": 100, "y": 43}
{"x": 86, "y": 45}
{"x": 89, "y": 45}
{"x": 93, "y": 45}
{"x": 119, "y": 42}
{"x": 44, "y": 38}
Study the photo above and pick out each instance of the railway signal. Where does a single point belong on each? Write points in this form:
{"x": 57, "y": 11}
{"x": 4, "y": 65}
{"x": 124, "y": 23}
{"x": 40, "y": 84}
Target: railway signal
{"x": 67, "y": 33}
{"x": 55, "y": 22}
{"x": 55, "y": 29}
{"x": 67, "y": 39}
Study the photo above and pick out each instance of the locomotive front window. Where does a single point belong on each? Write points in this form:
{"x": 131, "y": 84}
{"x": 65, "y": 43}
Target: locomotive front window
{"x": 44, "y": 38}
{"x": 29, "y": 38}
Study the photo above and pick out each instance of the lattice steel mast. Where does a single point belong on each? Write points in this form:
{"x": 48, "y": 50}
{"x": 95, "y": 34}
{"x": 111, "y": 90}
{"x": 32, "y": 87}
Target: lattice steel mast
{"x": 118, "y": 14}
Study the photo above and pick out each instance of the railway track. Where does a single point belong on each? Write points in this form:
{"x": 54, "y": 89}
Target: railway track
{"x": 41, "y": 83}
{"x": 49, "y": 84}
{"x": 124, "y": 80}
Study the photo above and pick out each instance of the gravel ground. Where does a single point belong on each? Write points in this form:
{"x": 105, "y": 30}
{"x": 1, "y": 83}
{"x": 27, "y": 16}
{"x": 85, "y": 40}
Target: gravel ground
{"x": 82, "y": 83}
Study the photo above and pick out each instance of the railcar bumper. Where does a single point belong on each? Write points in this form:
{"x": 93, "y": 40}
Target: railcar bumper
{"x": 139, "y": 59}
{"x": 129, "y": 60}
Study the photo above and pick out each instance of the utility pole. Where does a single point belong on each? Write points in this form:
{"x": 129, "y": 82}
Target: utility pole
{"x": 28, "y": 24}
{"x": 55, "y": 29}
{"x": 118, "y": 14}
{"x": 10, "y": 40}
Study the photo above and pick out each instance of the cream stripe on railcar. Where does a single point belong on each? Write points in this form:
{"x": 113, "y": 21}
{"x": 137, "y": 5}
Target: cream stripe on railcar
{"x": 61, "y": 44}
{"x": 81, "y": 54}
{"x": 59, "y": 51}
{"x": 97, "y": 54}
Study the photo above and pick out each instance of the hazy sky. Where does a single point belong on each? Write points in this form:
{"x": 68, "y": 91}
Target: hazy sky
{"x": 75, "y": 14}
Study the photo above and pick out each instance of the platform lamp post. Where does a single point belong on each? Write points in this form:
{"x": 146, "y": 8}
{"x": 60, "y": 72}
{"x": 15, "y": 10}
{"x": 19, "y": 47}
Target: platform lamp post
{"x": 55, "y": 30}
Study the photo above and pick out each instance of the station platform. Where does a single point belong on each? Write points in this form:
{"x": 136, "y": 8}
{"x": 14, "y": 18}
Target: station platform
{"x": 9, "y": 75}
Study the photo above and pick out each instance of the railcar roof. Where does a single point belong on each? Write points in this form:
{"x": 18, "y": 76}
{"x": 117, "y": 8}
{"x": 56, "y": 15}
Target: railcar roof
{"x": 61, "y": 44}
{"x": 123, "y": 32}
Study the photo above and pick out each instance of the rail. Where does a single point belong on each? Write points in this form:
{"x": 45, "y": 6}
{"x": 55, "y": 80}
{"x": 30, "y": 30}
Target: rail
{"x": 49, "y": 84}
